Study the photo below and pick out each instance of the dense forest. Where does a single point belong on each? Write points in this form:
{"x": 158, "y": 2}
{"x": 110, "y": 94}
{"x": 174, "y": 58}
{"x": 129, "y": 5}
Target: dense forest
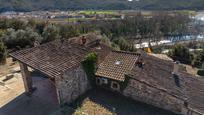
{"x": 19, "y": 34}
{"x": 30, "y": 5}
{"x": 120, "y": 34}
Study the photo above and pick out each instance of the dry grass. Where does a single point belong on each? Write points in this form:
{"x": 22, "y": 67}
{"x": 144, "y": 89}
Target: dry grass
{"x": 8, "y": 67}
{"x": 91, "y": 108}
{"x": 11, "y": 83}
{"x": 161, "y": 56}
{"x": 191, "y": 70}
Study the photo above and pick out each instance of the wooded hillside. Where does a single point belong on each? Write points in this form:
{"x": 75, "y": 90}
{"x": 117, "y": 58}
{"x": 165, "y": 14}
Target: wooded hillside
{"x": 30, "y": 5}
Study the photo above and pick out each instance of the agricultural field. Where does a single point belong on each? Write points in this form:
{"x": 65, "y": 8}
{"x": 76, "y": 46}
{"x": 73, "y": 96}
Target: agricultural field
{"x": 89, "y": 12}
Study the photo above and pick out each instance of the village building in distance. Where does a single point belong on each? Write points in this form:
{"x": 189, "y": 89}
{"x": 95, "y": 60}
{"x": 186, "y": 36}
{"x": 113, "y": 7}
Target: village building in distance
{"x": 139, "y": 76}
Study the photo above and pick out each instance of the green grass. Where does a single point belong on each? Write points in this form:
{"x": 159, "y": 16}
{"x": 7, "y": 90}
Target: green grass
{"x": 188, "y": 12}
{"x": 77, "y": 19}
{"x": 89, "y": 12}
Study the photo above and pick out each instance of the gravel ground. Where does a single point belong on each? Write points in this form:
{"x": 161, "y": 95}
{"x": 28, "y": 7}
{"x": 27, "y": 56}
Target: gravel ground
{"x": 13, "y": 100}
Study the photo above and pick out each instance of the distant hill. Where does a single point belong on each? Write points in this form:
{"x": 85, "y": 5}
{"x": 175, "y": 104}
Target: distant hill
{"x": 30, "y": 5}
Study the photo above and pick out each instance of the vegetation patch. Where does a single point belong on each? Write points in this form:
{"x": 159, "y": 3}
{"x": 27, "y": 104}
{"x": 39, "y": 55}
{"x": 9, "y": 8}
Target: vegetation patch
{"x": 201, "y": 72}
{"x": 78, "y": 19}
{"x": 89, "y": 12}
{"x": 89, "y": 65}
{"x": 199, "y": 59}
{"x": 124, "y": 84}
{"x": 90, "y": 107}
{"x": 3, "y": 53}
{"x": 181, "y": 53}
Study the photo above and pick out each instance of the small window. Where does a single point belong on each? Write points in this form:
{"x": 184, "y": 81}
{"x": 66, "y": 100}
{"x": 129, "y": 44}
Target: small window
{"x": 105, "y": 81}
{"x": 98, "y": 81}
{"x": 115, "y": 85}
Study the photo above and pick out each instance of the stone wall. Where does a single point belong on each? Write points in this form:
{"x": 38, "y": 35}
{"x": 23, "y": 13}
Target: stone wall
{"x": 193, "y": 112}
{"x": 153, "y": 96}
{"x": 72, "y": 84}
{"x": 27, "y": 79}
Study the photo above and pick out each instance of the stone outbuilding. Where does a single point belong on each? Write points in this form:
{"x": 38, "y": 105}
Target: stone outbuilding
{"x": 139, "y": 76}
{"x": 61, "y": 61}
{"x": 151, "y": 80}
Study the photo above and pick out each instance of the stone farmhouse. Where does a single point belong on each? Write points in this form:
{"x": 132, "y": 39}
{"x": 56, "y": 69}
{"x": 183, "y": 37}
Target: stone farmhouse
{"x": 139, "y": 76}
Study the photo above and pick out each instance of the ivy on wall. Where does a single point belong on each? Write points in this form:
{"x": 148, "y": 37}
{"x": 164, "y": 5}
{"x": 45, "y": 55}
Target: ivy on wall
{"x": 89, "y": 66}
{"x": 124, "y": 84}
{"x": 201, "y": 72}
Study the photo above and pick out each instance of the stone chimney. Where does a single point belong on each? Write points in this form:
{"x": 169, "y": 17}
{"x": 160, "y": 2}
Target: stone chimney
{"x": 83, "y": 40}
{"x": 176, "y": 68}
{"x": 36, "y": 43}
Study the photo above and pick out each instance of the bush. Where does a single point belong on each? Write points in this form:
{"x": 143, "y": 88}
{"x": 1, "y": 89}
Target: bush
{"x": 199, "y": 59}
{"x": 20, "y": 38}
{"x": 157, "y": 49}
{"x": 89, "y": 67}
{"x": 50, "y": 33}
{"x": 181, "y": 53}
{"x": 124, "y": 44}
{"x": 12, "y": 23}
{"x": 106, "y": 40}
{"x": 201, "y": 72}
{"x": 3, "y": 53}
{"x": 202, "y": 66}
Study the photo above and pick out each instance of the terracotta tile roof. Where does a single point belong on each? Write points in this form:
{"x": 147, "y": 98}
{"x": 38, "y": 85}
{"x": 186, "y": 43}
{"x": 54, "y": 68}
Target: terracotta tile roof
{"x": 91, "y": 39}
{"x": 52, "y": 58}
{"x": 102, "y": 51}
{"x": 55, "y": 57}
{"x": 158, "y": 73}
{"x": 194, "y": 91}
{"x": 116, "y": 65}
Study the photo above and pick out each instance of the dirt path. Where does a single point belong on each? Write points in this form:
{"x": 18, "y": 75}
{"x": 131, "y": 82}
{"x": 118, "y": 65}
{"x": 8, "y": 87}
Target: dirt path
{"x": 10, "y": 88}
{"x": 9, "y": 67}
{"x": 11, "y": 83}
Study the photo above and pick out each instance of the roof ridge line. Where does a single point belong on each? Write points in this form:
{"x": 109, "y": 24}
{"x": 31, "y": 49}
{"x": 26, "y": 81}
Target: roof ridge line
{"x": 161, "y": 89}
{"x": 127, "y": 52}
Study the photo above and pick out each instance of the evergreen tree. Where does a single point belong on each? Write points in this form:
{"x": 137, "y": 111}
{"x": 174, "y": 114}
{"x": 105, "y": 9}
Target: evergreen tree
{"x": 50, "y": 33}
{"x": 3, "y": 53}
{"x": 199, "y": 59}
{"x": 181, "y": 53}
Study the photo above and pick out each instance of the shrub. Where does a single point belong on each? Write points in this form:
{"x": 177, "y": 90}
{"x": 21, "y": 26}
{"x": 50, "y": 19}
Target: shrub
{"x": 89, "y": 67}
{"x": 3, "y": 53}
{"x": 20, "y": 38}
{"x": 106, "y": 40}
{"x": 199, "y": 59}
{"x": 157, "y": 49}
{"x": 50, "y": 33}
{"x": 181, "y": 53}
{"x": 124, "y": 44}
{"x": 202, "y": 66}
{"x": 201, "y": 72}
